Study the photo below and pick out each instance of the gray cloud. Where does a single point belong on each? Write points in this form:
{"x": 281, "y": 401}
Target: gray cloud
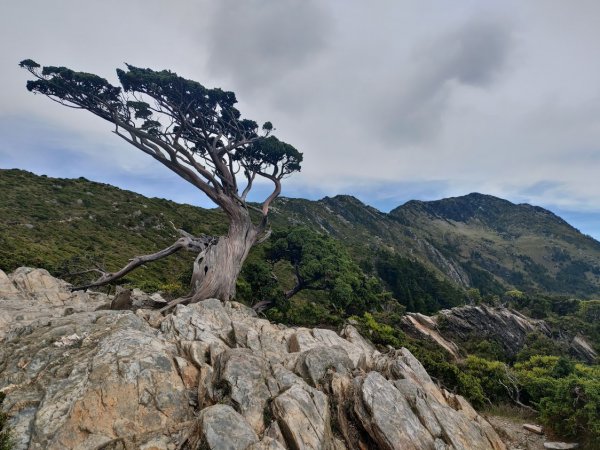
{"x": 473, "y": 55}
{"x": 257, "y": 42}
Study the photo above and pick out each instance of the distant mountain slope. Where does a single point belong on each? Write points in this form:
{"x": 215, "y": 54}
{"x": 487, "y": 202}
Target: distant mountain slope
{"x": 365, "y": 230}
{"x": 523, "y": 246}
{"x": 475, "y": 240}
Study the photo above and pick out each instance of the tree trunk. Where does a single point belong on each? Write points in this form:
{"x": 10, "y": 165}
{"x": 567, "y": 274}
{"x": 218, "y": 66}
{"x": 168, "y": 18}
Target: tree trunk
{"x": 219, "y": 260}
{"x": 216, "y": 269}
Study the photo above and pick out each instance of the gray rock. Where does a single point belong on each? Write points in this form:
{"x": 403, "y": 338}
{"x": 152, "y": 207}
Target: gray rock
{"x": 7, "y": 288}
{"x": 420, "y": 403}
{"x": 204, "y": 321}
{"x": 267, "y": 444}
{"x": 387, "y": 415}
{"x": 313, "y": 364}
{"x": 122, "y": 300}
{"x": 77, "y": 377}
{"x": 507, "y": 327}
{"x": 533, "y": 428}
{"x": 31, "y": 296}
{"x": 422, "y": 326}
{"x": 222, "y": 428}
{"x": 274, "y": 432}
{"x": 581, "y": 349}
{"x": 118, "y": 380}
{"x": 243, "y": 378}
{"x": 303, "y": 415}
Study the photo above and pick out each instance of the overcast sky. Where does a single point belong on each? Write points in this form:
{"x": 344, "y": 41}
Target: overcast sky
{"x": 388, "y": 100}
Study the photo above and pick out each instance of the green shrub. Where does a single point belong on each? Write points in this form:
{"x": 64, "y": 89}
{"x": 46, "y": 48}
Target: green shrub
{"x": 490, "y": 350}
{"x": 493, "y": 376}
{"x": 441, "y": 367}
{"x": 539, "y": 344}
{"x": 566, "y": 394}
{"x": 572, "y": 408}
{"x": 300, "y": 312}
{"x": 379, "y": 333}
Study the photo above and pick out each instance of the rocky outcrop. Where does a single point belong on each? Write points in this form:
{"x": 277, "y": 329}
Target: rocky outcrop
{"x": 507, "y": 327}
{"x": 210, "y": 375}
{"x": 420, "y": 325}
{"x": 31, "y": 295}
{"x": 581, "y": 349}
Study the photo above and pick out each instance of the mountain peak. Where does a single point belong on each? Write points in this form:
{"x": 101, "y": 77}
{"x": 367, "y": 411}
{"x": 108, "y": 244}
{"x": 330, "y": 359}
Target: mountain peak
{"x": 459, "y": 209}
{"x": 343, "y": 198}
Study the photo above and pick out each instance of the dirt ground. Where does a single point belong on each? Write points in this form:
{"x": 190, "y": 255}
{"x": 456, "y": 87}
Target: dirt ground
{"x": 516, "y": 437}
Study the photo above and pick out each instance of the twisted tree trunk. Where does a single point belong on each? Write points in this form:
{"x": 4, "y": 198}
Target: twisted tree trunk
{"x": 218, "y": 262}
{"x": 216, "y": 270}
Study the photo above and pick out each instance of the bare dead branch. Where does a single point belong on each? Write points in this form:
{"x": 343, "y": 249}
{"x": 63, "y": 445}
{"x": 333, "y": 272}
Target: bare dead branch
{"x": 195, "y": 244}
{"x": 262, "y": 306}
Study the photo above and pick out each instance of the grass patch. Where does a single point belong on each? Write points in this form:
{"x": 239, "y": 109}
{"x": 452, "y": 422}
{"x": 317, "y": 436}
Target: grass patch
{"x": 509, "y": 411}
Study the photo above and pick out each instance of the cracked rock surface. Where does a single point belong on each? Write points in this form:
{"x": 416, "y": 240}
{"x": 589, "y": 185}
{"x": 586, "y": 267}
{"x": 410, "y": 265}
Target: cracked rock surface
{"x": 210, "y": 375}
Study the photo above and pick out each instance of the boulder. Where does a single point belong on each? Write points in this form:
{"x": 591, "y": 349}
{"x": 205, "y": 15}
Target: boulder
{"x": 38, "y": 282}
{"x": 314, "y": 364}
{"x": 111, "y": 377}
{"x": 7, "y": 288}
{"x": 222, "y": 428}
{"x": 243, "y": 378}
{"x": 32, "y": 295}
{"x": 303, "y": 415}
{"x": 560, "y": 445}
{"x": 387, "y": 416}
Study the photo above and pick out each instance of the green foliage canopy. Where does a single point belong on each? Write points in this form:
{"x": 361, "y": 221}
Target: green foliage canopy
{"x": 320, "y": 263}
{"x": 415, "y": 286}
{"x": 194, "y": 131}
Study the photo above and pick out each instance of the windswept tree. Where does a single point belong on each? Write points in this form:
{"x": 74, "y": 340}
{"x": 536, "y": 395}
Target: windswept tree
{"x": 199, "y": 134}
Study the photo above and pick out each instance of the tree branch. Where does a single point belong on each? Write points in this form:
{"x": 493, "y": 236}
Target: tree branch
{"x": 195, "y": 244}
{"x": 274, "y": 194}
{"x": 250, "y": 178}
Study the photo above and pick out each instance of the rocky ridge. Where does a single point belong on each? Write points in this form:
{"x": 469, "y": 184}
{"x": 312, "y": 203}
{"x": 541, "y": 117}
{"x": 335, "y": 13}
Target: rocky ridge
{"x": 505, "y": 326}
{"x": 210, "y": 375}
